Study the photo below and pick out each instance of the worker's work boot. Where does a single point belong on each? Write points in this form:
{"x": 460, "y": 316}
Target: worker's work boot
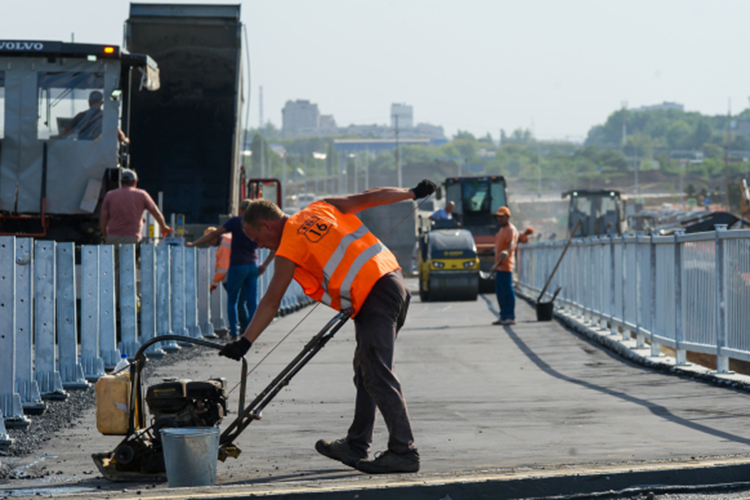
{"x": 339, "y": 450}
{"x": 388, "y": 462}
{"x": 499, "y": 322}
{"x": 509, "y": 321}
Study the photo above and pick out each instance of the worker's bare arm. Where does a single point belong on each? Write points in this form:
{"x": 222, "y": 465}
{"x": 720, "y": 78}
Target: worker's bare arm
{"x": 207, "y": 238}
{"x": 264, "y": 266}
{"x": 283, "y": 272}
{"x": 371, "y": 198}
{"x": 154, "y": 211}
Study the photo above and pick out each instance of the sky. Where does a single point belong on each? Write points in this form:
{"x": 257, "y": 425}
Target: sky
{"x": 556, "y": 67}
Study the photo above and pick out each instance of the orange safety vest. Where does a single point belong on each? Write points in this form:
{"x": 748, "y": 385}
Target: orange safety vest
{"x": 338, "y": 259}
{"x": 222, "y": 259}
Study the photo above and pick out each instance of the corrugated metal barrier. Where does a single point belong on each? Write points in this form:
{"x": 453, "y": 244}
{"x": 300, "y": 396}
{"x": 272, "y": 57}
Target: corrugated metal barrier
{"x": 60, "y": 313}
{"x": 690, "y": 292}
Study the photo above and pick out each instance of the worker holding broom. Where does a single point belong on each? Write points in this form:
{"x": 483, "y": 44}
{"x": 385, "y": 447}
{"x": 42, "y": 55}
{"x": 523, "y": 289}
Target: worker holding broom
{"x": 339, "y": 262}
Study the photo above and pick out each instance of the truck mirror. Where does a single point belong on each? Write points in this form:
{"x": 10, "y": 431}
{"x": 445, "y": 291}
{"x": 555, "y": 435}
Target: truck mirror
{"x": 439, "y": 193}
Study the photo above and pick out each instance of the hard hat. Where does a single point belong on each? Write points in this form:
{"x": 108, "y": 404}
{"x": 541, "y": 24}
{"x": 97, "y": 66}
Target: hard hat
{"x": 502, "y": 211}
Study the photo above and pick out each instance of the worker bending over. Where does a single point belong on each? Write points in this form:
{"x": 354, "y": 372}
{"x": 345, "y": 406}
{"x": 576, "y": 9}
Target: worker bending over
{"x": 339, "y": 262}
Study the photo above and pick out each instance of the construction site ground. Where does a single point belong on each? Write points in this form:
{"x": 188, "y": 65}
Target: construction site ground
{"x": 523, "y": 411}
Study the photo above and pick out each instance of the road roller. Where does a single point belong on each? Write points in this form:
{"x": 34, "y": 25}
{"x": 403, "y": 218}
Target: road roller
{"x": 448, "y": 265}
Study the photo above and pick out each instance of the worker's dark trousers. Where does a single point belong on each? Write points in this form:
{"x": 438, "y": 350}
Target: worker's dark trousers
{"x": 377, "y": 324}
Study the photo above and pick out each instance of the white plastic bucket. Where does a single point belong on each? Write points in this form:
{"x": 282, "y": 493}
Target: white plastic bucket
{"x": 190, "y": 455}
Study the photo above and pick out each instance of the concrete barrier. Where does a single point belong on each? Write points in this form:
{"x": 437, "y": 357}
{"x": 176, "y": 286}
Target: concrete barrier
{"x": 71, "y": 371}
{"x": 26, "y": 384}
{"x": 39, "y": 289}
{"x": 205, "y": 273}
{"x": 45, "y": 355}
{"x": 93, "y": 364}
{"x": 10, "y": 400}
{"x": 128, "y": 302}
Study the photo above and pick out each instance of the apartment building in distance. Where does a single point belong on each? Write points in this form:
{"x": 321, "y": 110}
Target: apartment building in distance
{"x": 301, "y": 118}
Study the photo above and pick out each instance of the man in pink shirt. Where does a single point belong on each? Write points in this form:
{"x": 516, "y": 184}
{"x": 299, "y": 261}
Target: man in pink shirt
{"x": 121, "y": 217}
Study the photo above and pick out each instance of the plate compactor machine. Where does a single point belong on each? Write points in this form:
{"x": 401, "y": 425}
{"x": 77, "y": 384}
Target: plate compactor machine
{"x": 182, "y": 403}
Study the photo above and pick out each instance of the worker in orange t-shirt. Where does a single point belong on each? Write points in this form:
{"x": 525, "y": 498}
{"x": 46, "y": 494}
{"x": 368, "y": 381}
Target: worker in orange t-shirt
{"x": 506, "y": 241}
{"x": 338, "y": 261}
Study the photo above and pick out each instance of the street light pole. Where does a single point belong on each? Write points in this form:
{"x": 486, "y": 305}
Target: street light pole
{"x": 398, "y": 160}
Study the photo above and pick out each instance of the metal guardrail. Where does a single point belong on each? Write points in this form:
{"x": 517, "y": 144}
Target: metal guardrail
{"x": 690, "y": 292}
{"x": 59, "y": 319}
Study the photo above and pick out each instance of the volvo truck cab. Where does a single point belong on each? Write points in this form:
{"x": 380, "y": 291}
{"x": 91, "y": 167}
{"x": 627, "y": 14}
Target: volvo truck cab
{"x": 60, "y": 112}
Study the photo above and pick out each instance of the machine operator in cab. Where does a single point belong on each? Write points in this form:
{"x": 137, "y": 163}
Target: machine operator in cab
{"x": 339, "y": 262}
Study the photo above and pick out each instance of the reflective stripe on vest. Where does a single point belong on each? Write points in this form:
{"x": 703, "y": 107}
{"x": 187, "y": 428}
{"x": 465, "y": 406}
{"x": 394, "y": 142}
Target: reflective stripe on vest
{"x": 338, "y": 254}
{"x": 346, "y": 285}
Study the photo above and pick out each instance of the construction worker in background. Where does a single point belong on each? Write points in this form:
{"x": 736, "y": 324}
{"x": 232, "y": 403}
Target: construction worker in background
{"x": 339, "y": 262}
{"x": 221, "y": 266}
{"x": 444, "y": 213}
{"x": 524, "y": 237}
{"x": 121, "y": 216}
{"x": 506, "y": 241}
{"x": 224, "y": 242}
{"x": 243, "y": 271}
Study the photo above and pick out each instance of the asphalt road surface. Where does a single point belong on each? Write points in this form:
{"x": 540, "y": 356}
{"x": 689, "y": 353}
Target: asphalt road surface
{"x": 530, "y": 400}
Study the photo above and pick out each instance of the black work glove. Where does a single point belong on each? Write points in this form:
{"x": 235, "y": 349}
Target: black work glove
{"x": 235, "y": 350}
{"x": 425, "y": 188}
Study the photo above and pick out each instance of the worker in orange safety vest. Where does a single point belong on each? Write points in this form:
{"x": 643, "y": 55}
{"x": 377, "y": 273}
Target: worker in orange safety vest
{"x": 224, "y": 242}
{"x": 338, "y": 261}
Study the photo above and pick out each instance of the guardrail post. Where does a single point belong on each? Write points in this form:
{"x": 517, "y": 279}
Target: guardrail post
{"x": 588, "y": 250}
{"x": 10, "y": 400}
{"x": 722, "y": 360}
{"x": 602, "y": 292}
{"x": 5, "y": 439}
{"x": 204, "y": 292}
{"x": 655, "y": 346}
{"x": 107, "y": 311}
{"x": 624, "y": 264}
{"x": 164, "y": 296}
{"x": 71, "y": 370}
{"x": 679, "y": 334}
{"x": 45, "y": 366}
{"x": 640, "y": 340}
{"x": 26, "y": 384}
{"x": 128, "y": 308}
{"x": 178, "y": 291}
{"x": 612, "y": 326}
{"x": 148, "y": 300}
{"x": 191, "y": 294}
{"x": 93, "y": 364}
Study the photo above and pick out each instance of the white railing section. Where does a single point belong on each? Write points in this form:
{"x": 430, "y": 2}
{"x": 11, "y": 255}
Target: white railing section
{"x": 690, "y": 292}
{"x": 61, "y": 315}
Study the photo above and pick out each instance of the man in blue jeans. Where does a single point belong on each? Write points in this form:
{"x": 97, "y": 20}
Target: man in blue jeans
{"x": 243, "y": 271}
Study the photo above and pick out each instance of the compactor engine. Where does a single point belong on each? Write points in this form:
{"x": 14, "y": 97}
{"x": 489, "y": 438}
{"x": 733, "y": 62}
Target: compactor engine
{"x": 187, "y": 403}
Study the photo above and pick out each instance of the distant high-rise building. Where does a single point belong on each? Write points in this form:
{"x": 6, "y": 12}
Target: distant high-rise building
{"x": 405, "y": 115}
{"x": 300, "y": 117}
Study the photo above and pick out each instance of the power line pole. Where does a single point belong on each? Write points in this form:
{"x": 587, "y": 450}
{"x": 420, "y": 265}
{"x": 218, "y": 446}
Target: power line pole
{"x": 260, "y": 108}
{"x": 726, "y": 157}
{"x": 367, "y": 170}
{"x": 398, "y": 160}
{"x": 262, "y": 159}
